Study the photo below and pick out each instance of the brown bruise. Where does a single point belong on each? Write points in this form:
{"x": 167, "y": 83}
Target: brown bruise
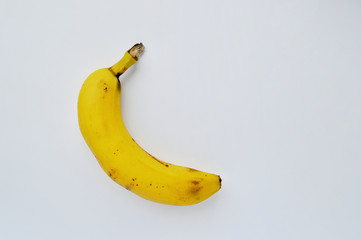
{"x": 112, "y": 173}
{"x": 105, "y": 87}
{"x": 195, "y": 182}
{"x": 129, "y": 187}
{"x": 195, "y": 190}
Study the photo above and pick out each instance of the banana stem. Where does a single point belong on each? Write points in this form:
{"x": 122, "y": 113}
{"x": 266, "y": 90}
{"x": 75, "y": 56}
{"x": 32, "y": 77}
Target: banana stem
{"x": 129, "y": 58}
{"x": 136, "y": 50}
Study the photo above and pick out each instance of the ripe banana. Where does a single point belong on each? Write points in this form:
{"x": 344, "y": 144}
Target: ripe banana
{"x": 102, "y": 127}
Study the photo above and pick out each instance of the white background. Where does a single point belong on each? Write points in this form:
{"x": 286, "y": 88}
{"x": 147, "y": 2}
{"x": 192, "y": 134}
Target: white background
{"x": 265, "y": 93}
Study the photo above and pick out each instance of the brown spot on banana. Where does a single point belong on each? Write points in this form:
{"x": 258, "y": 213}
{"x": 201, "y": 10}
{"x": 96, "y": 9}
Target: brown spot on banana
{"x": 195, "y": 190}
{"x": 112, "y": 174}
{"x": 195, "y": 182}
{"x": 129, "y": 187}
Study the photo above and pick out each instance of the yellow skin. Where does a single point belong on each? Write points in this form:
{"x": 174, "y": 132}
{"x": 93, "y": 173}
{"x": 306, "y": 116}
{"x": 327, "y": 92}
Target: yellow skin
{"x": 101, "y": 124}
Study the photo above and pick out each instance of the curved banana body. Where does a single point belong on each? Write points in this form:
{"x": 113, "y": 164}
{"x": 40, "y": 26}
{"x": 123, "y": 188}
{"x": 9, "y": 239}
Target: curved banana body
{"x": 102, "y": 127}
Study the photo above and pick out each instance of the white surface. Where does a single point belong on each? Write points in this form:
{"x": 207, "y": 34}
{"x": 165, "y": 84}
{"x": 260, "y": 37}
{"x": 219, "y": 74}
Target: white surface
{"x": 265, "y": 93}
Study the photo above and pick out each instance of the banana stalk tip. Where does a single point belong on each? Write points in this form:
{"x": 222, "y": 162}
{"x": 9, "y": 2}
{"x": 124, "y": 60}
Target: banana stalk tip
{"x": 136, "y": 50}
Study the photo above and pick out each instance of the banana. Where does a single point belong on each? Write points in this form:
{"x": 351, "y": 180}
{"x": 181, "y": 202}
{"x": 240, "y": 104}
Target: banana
{"x": 125, "y": 162}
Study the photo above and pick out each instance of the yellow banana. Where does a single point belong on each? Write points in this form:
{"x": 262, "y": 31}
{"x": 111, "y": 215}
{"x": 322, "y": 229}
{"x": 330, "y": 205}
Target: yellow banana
{"x": 102, "y": 127}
